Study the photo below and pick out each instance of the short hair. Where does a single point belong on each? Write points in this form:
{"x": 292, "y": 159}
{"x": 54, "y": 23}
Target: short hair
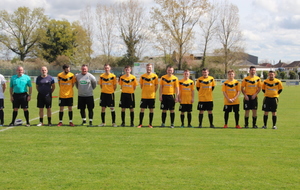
{"x": 271, "y": 71}
{"x": 205, "y": 69}
{"x": 170, "y": 66}
{"x": 252, "y": 67}
{"x": 65, "y": 66}
{"x": 84, "y": 65}
{"x": 186, "y": 70}
{"x": 106, "y": 64}
{"x": 230, "y": 71}
{"x": 149, "y": 64}
{"x": 127, "y": 66}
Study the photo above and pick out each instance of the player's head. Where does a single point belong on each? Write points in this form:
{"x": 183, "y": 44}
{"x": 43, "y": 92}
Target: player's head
{"x": 205, "y": 72}
{"x": 252, "y": 70}
{"x": 107, "y": 68}
{"x": 127, "y": 69}
{"x": 84, "y": 69}
{"x": 44, "y": 71}
{"x": 230, "y": 74}
{"x": 20, "y": 70}
{"x": 170, "y": 70}
{"x": 66, "y": 68}
{"x": 149, "y": 68}
{"x": 186, "y": 74}
{"x": 272, "y": 75}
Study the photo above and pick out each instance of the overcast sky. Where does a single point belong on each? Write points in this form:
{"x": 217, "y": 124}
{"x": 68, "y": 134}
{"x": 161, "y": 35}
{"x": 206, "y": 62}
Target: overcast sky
{"x": 271, "y": 28}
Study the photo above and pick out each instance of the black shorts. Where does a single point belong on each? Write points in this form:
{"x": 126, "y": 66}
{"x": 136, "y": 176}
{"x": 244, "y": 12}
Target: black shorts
{"x": 107, "y": 100}
{"x": 84, "y": 102}
{"x": 205, "y": 106}
{"x": 251, "y": 104}
{"x": 127, "y": 101}
{"x": 20, "y": 100}
{"x": 270, "y": 104}
{"x": 1, "y": 103}
{"x": 65, "y": 102}
{"x": 168, "y": 102}
{"x": 229, "y": 108}
{"x": 186, "y": 107}
{"x": 44, "y": 101}
{"x": 147, "y": 103}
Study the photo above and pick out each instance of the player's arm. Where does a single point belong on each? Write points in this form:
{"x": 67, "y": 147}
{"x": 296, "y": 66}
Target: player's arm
{"x": 30, "y": 92}
{"x": 3, "y": 87}
{"x": 193, "y": 93}
{"x": 94, "y": 82}
{"x": 11, "y": 93}
{"x": 52, "y": 87}
{"x": 160, "y": 92}
{"x": 177, "y": 94}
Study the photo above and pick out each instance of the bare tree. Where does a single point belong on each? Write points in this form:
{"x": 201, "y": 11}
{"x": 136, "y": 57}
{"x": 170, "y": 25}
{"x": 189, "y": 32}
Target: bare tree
{"x": 178, "y": 17}
{"x": 208, "y": 26}
{"x": 105, "y": 20}
{"x": 20, "y": 29}
{"x": 229, "y": 34}
{"x": 87, "y": 19}
{"x": 131, "y": 23}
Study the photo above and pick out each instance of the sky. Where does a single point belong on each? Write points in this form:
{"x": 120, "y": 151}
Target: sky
{"x": 269, "y": 27}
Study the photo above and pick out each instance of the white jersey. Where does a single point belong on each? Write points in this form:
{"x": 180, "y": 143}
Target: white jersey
{"x": 2, "y": 81}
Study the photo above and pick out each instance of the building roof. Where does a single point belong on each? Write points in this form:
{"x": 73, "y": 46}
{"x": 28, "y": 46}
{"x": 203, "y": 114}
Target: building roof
{"x": 294, "y": 64}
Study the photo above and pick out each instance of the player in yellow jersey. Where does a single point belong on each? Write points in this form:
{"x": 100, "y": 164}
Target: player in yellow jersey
{"x": 108, "y": 85}
{"x": 231, "y": 90}
{"x": 128, "y": 85}
{"x": 66, "y": 81}
{"x": 168, "y": 95}
{"x": 271, "y": 88}
{"x": 205, "y": 86}
{"x": 251, "y": 86}
{"x": 186, "y": 97}
{"x": 149, "y": 85}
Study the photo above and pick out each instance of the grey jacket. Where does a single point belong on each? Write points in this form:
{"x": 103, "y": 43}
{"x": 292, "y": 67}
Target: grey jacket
{"x": 85, "y": 84}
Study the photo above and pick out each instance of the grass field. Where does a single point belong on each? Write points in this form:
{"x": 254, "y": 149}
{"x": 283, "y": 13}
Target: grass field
{"x": 158, "y": 158}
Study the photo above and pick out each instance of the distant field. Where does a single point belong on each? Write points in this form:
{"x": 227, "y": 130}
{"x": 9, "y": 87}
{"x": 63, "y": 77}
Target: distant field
{"x": 131, "y": 158}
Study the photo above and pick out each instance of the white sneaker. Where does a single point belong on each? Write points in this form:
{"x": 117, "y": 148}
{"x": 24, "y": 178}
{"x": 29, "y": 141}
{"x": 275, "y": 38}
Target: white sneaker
{"x": 114, "y": 125}
{"x": 274, "y": 127}
{"x": 40, "y": 124}
{"x": 101, "y": 125}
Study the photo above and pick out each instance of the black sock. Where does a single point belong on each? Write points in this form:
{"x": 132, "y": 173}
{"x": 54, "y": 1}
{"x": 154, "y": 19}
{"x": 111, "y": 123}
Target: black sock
{"x": 274, "y": 119}
{"x": 236, "y": 117}
{"x": 103, "y": 117}
{"x": 226, "y": 117}
{"x": 49, "y": 120}
{"x": 82, "y": 113}
{"x": 70, "y": 115}
{"x": 200, "y": 118}
{"x": 123, "y": 117}
{"x": 163, "y": 117}
{"x": 141, "y": 118}
{"x": 61, "y": 115}
{"x": 131, "y": 117}
{"x": 246, "y": 121}
{"x": 211, "y": 119}
{"x": 41, "y": 120}
{"x": 172, "y": 116}
{"x": 15, "y": 114}
{"x": 182, "y": 119}
{"x": 91, "y": 114}
{"x": 1, "y": 117}
{"x": 26, "y": 114}
{"x": 265, "y": 120}
{"x": 113, "y": 116}
{"x": 189, "y": 116}
{"x": 254, "y": 121}
{"x": 150, "y": 118}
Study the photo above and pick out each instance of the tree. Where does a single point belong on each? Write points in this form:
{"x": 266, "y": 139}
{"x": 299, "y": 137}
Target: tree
{"x": 208, "y": 26}
{"x": 131, "y": 20}
{"x": 86, "y": 17}
{"x": 20, "y": 29}
{"x": 178, "y": 17}
{"x": 229, "y": 34}
{"x": 105, "y": 20}
{"x": 59, "y": 39}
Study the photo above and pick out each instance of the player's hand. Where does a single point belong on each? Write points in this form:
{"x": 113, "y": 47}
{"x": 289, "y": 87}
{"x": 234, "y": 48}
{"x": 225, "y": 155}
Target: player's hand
{"x": 253, "y": 96}
{"x": 246, "y": 98}
{"x": 176, "y": 99}
{"x": 11, "y": 98}
{"x": 160, "y": 98}
{"x": 28, "y": 98}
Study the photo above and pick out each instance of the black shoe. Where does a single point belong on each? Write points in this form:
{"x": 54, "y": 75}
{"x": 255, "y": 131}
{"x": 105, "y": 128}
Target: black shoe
{"x": 122, "y": 125}
{"x": 254, "y": 127}
{"x": 11, "y": 125}
{"x": 131, "y": 125}
{"x": 200, "y": 126}
{"x": 50, "y": 124}
{"x": 212, "y": 126}
{"x": 246, "y": 126}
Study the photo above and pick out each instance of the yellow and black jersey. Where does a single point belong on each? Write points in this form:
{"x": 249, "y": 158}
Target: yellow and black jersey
{"x": 149, "y": 83}
{"x": 168, "y": 84}
{"x": 231, "y": 88}
{"x": 271, "y": 87}
{"x": 186, "y": 88}
{"x": 205, "y": 85}
{"x": 128, "y": 84}
{"x": 66, "y": 83}
{"x": 251, "y": 84}
{"x": 107, "y": 83}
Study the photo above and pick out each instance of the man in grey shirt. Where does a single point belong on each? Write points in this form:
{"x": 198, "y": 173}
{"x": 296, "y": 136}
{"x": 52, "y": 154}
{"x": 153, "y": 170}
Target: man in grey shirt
{"x": 86, "y": 83}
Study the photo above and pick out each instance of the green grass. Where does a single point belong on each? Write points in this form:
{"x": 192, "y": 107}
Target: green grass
{"x": 159, "y": 158}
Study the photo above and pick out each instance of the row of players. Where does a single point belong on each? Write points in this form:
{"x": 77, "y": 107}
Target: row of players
{"x": 171, "y": 90}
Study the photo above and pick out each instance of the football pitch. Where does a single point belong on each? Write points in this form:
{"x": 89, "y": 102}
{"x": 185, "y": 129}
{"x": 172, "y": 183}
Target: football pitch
{"x": 160, "y": 158}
